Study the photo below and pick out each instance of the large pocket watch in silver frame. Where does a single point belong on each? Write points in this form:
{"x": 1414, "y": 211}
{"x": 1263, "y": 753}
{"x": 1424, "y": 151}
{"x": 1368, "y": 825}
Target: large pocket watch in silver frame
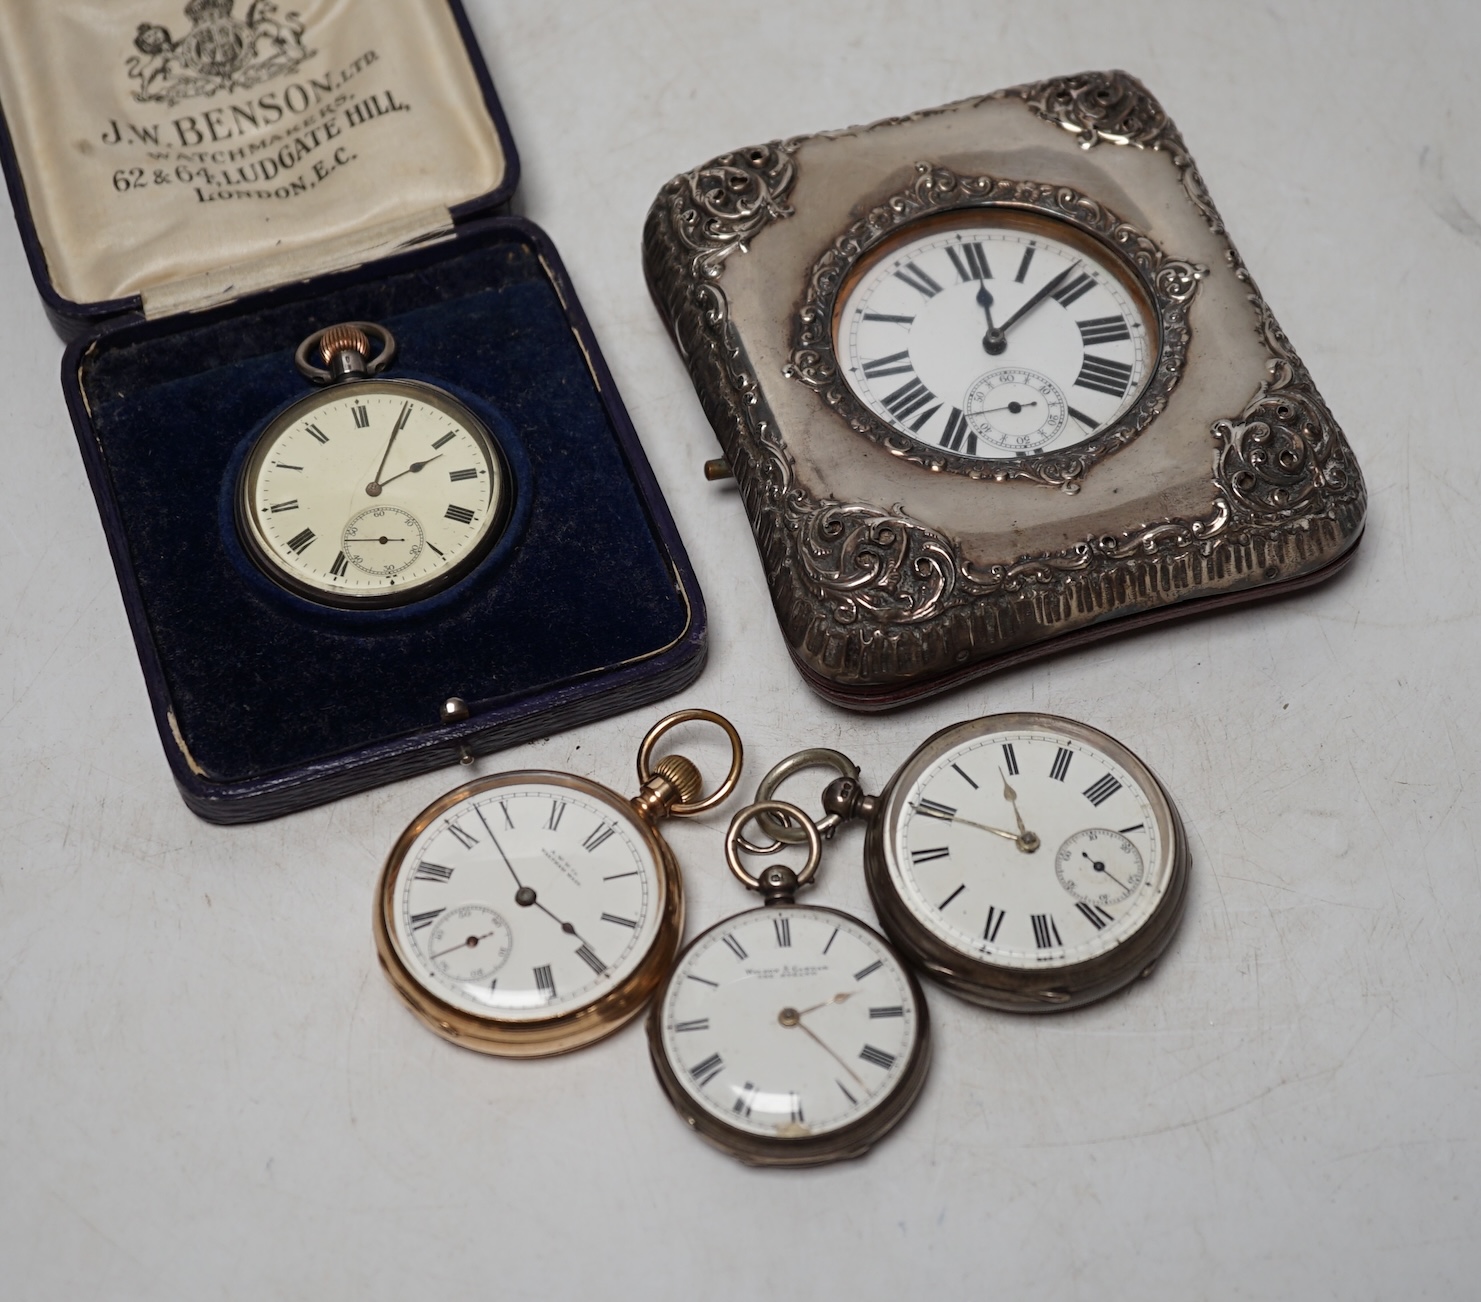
{"x": 370, "y": 492}
{"x": 791, "y": 1034}
{"x": 530, "y": 913}
{"x": 1025, "y": 861}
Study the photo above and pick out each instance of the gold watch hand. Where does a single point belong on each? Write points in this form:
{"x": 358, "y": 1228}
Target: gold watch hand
{"x": 837, "y": 999}
{"x": 791, "y": 1017}
{"x": 1028, "y": 841}
{"x": 955, "y": 818}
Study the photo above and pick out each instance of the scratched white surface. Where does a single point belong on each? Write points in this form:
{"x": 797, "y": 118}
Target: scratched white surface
{"x": 208, "y": 1091}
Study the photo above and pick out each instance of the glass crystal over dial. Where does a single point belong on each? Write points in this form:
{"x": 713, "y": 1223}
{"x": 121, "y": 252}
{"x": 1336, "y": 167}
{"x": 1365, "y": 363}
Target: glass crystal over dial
{"x": 789, "y": 1022}
{"x": 526, "y": 900}
{"x": 994, "y": 334}
{"x": 372, "y": 493}
{"x": 1030, "y": 847}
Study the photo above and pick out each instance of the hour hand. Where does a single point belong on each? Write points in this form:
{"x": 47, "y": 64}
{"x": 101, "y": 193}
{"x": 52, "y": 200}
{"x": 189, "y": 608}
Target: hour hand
{"x": 415, "y": 468}
{"x": 993, "y": 342}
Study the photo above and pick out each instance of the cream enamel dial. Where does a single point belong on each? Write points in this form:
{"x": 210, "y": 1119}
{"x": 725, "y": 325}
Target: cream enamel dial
{"x": 789, "y": 1023}
{"x": 527, "y": 900}
{"x": 372, "y": 493}
{"x": 994, "y": 335}
{"x": 1028, "y": 858}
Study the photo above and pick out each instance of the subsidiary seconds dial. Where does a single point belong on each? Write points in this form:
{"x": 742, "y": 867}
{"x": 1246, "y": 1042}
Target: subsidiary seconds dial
{"x": 995, "y": 335}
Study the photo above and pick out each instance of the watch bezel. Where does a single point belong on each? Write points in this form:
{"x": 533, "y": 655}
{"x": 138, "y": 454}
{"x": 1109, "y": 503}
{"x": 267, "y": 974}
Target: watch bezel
{"x": 1012, "y": 988}
{"x": 255, "y": 542}
{"x": 1164, "y": 287}
{"x": 546, "y": 1036}
{"x": 848, "y": 1141}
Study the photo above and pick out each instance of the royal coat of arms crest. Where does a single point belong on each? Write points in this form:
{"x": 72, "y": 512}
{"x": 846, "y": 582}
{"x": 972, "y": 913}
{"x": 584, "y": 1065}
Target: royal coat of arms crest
{"x": 220, "y": 52}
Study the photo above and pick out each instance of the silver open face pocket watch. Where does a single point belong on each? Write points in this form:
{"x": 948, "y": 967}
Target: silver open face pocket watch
{"x": 792, "y": 1034}
{"x": 1024, "y": 861}
{"x": 529, "y": 913}
{"x": 370, "y": 492}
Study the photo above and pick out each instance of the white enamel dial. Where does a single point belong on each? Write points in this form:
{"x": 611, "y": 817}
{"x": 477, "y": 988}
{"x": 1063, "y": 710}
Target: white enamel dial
{"x": 526, "y": 900}
{"x": 789, "y": 1021}
{"x": 939, "y": 334}
{"x": 373, "y": 492}
{"x": 1081, "y": 872}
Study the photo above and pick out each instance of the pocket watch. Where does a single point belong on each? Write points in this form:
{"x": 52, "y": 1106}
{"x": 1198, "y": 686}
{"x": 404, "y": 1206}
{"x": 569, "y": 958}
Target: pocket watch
{"x": 371, "y": 492}
{"x": 1026, "y": 862}
{"x": 529, "y": 913}
{"x": 792, "y": 1034}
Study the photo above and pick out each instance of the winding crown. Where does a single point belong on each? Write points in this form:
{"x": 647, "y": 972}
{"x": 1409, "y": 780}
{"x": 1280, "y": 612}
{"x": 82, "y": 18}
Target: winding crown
{"x": 683, "y": 774}
{"x": 343, "y": 338}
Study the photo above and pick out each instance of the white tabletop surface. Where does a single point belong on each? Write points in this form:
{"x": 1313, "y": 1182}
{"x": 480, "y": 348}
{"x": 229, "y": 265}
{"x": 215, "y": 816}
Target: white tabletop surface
{"x": 208, "y": 1090}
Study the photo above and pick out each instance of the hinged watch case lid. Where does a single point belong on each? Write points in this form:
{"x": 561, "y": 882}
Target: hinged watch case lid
{"x": 898, "y": 570}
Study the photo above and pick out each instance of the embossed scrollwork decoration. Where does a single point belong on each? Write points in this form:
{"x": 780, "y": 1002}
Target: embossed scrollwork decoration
{"x": 1170, "y": 285}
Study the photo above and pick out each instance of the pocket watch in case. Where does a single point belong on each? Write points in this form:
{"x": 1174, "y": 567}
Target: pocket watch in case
{"x": 1024, "y": 861}
{"x": 372, "y": 492}
{"x": 789, "y": 1035}
{"x": 993, "y": 381}
{"x": 530, "y": 913}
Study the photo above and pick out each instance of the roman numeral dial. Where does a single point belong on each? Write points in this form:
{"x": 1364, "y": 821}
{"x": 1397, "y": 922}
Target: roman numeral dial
{"x": 373, "y": 493}
{"x": 999, "y": 338}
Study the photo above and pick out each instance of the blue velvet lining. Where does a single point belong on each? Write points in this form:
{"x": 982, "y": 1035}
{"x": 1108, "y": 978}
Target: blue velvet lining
{"x": 261, "y": 682}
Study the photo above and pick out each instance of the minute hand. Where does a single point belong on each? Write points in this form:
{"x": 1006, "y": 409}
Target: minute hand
{"x": 1034, "y": 302}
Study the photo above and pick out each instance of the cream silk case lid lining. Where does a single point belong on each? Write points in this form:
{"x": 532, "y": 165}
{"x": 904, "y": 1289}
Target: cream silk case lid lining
{"x": 191, "y": 153}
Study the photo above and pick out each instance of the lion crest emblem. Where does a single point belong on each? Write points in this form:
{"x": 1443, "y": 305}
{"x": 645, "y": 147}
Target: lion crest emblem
{"x": 219, "y": 52}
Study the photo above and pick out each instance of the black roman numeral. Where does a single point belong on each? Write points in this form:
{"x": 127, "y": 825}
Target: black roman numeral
{"x": 599, "y": 837}
{"x": 877, "y": 1056}
{"x": 463, "y": 839}
{"x": 994, "y": 924}
{"x": 1135, "y": 827}
{"x": 436, "y": 548}
{"x": 457, "y": 475}
{"x": 1104, "y": 376}
{"x": 962, "y": 773}
{"x": 1096, "y": 916}
{"x": 432, "y": 872}
{"x": 1028, "y": 257}
{"x": 846, "y": 1094}
{"x": 734, "y": 945}
{"x": 831, "y": 939}
{"x": 1103, "y": 330}
{"x": 299, "y": 543}
{"x": 361, "y": 415}
{"x": 894, "y": 1010}
{"x": 1010, "y": 758}
{"x": 695, "y": 1024}
{"x": 796, "y": 1107}
{"x": 459, "y": 513}
{"x": 783, "y": 928}
{"x": 557, "y": 811}
{"x": 927, "y": 856}
{"x": 317, "y": 433}
{"x": 290, "y": 505}
{"x": 1046, "y": 934}
{"x": 868, "y": 971}
{"x": 911, "y": 397}
{"x": 545, "y": 982}
{"x": 918, "y": 280}
{"x": 586, "y": 955}
{"x": 1061, "y": 764}
{"x": 337, "y": 570}
{"x": 1073, "y": 289}
{"x": 445, "y": 439}
{"x": 952, "y": 896}
{"x": 1089, "y": 422}
{"x": 706, "y": 1071}
{"x": 958, "y": 434}
{"x": 504, "y": 809}
{"x": 420, "y": 920}
{"x": 894, "y": 364}
{"x": 888, "y": 319}
{"x": 744, "y": 1099}
{"x": 935, "y": 809}
{"x": 1100, "y": 791}
{"x": 283, "y": 465}
{"x": 971, "y": 263}
{"x": 621, "y": 922}
{"x": 704, "y": 981}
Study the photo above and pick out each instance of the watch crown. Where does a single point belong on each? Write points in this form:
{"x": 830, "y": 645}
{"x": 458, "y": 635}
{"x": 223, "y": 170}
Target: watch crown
{"x": 341, "y": 339}
{"x": 683, "y": 774}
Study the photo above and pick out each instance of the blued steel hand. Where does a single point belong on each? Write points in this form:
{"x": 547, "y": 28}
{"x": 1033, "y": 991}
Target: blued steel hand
{"x": 1028, "y": 307}
{"x": 415, "y": 468}
{"x": 1097, "y": 866}
{"x": 374, "y": 486}
{"x": 470, "y": 943}
{"x": 1014, "y": 407}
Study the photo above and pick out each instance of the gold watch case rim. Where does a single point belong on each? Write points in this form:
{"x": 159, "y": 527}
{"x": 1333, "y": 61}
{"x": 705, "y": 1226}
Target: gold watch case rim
{"x": 850, "y": 1141}
{"x": 995, "y": 985}
{"x": 541, "y": 1037}
{"x": 249, "y": 528}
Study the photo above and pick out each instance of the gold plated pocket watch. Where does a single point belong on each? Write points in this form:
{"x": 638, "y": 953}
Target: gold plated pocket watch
{"x": 372, "y": 492}
{"x": 789, "y": 1035}
{"x": 529, "y": 913}
{"x": 1024, "y": 861}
